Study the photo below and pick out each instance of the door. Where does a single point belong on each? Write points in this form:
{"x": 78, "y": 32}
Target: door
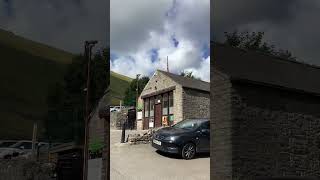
{"x": 131, "y": 119}
{"x": 204, "y": 137}
{"x": 146, "y": 123}
{"x": 157, "y": 115}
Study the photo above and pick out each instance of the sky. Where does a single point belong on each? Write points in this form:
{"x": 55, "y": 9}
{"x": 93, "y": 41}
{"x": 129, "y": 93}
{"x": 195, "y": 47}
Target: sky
{"x": 288, "y": 24}
{"x": 144, "y": 33}
{"x": 64, "y": 24}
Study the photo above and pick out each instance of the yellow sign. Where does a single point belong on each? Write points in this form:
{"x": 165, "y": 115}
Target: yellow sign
{"x": 164, "y": 121}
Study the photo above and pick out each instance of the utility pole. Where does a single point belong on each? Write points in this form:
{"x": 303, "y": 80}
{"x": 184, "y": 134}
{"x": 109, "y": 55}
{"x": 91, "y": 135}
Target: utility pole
{"x": 34, "y": 139}
{"x": 167, "y": 64}
{"x": 88, "y": 51}
{"x": 137, "y": 89}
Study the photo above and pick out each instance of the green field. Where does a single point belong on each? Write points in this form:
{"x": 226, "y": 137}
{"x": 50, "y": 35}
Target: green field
{"x": 28, "y": 69}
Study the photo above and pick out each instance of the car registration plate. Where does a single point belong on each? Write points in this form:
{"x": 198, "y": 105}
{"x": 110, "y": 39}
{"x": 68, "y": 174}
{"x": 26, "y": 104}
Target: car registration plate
{"x": 157, "y": 142}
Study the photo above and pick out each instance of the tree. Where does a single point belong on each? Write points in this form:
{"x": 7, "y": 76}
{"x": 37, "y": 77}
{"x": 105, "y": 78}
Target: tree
{"x": 66, "y": 100}
{"x": 254, "y": 41}
{"x": 188, "y": 74}
{"x": 131, "y": 92}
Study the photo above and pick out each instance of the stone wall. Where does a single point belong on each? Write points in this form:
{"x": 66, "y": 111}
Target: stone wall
{"x": 178, "y": 104}
{"x": 195, "y": 104}
{"x": 220, "y": 127}
{"x": 274, "y": 132}
{"x": 24, "y": 169}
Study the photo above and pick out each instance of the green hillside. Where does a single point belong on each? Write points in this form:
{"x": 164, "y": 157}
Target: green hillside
{"x": 119, "y": 83}
{"x": 37, "y": 49}
{"x": 27, "y": 71}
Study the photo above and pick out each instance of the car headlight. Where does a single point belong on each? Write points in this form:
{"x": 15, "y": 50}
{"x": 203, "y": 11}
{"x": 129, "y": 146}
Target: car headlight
{"x": 171, "y": 138}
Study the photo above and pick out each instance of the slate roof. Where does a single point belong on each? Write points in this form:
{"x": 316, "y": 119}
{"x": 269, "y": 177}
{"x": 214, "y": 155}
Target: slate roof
{"x": 188, "y": 82}
{"x": 240, "y": 64}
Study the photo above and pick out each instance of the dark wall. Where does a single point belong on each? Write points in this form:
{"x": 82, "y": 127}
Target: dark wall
{"x": 275, "y": 132}
{"x": 221, "y": 127}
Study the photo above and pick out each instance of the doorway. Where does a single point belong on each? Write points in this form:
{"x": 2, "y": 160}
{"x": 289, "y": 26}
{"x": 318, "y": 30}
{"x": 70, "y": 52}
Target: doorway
{"x": 157, "y": 115}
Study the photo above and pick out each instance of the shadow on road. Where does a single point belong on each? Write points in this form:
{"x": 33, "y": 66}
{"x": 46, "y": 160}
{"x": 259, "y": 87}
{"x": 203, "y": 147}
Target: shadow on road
{"x": 177, "y": 156}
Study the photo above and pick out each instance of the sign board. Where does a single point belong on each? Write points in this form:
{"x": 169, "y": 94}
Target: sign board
{"x": 165, "y": 121}
{"x": 150, "y": 124}
{"x": 139, "y": 115}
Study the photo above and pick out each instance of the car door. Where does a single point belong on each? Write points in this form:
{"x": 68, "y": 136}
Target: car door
{"x": 204, "y": 137}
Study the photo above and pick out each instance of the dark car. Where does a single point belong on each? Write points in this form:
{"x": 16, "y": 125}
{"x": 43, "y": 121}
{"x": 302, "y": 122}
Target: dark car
{"x": 186, "y": 138}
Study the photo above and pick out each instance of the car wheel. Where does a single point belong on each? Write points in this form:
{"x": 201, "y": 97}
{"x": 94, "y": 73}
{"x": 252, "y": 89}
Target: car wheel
{"x": 188, "y": 151}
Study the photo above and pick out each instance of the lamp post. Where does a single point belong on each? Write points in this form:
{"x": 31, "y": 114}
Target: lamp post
{"x": 137, "y": 89}
{"x": 88, "y": 45}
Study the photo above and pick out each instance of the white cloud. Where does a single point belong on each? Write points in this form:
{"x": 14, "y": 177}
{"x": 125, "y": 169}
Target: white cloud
{"x": 189, "y": 24}
{"x": 131, "y": 22}
{"x": 203, "y": 72}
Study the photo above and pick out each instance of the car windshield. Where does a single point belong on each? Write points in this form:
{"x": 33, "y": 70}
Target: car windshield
{"x": 7, "y": 144}
{"x": 25, "y": 145}
{"x": 187, "y": 124}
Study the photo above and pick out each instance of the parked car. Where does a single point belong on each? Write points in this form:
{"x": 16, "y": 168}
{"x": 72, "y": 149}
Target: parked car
{"x": 7, "y": 143}
{"x": 186, "y": 138}
{"x": 19, "y": 148}
{"x": 7, "y": 149}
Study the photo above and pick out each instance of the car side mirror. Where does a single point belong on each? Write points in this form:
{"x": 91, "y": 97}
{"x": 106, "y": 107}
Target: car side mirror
{"x": 22, "y": 147}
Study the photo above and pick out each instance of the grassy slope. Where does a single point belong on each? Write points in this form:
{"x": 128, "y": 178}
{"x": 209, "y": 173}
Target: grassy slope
{"x": 34, "y": 48}
{"x": 27, "y": 69}
{"x": 24, "y": 85}
{"x": 119, "y": 84}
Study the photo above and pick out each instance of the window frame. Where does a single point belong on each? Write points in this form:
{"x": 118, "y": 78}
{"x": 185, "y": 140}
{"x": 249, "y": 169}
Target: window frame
{"x": 165, "y": 98}
{"x": 147, "y": 107}
{"x": 151, "y": 106}
{"x": 170, "y": 94}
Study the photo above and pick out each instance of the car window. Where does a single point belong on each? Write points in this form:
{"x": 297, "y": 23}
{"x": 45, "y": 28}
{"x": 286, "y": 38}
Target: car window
{"x": 26, "y": 145}
{"x": 206, "y": 125}
{"x": 7, "y": 144}
{"x": 187, "y": 124}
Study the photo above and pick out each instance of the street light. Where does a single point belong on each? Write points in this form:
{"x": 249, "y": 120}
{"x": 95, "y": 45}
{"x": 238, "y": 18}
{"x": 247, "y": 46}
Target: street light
{"x": 88, "y": 45}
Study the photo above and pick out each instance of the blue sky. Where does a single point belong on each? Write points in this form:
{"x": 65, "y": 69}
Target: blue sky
{"x": 179, "y": 29}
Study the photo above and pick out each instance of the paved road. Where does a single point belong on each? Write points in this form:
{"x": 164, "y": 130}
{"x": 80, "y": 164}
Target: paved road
{"x": 94, "y": 169}
{"x": 142, "y": 162}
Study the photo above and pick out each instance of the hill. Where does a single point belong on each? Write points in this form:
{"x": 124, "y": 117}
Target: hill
{"x": 28, "y": 69}
{"x": 119, "y": 83}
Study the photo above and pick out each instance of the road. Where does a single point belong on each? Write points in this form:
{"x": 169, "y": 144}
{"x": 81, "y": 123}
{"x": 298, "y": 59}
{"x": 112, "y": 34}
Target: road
{"x": 143, "y": 162}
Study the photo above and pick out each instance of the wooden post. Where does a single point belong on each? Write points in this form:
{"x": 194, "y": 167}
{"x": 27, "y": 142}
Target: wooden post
{"x": 34, "y": 138}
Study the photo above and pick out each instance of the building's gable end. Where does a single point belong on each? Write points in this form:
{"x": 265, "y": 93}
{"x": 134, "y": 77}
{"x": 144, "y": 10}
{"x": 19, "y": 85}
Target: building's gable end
{"x": 158, "y": 82}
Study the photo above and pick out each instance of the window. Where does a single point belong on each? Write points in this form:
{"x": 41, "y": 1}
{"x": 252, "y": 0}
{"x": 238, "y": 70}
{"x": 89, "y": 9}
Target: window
{"x": 152, "y": 107}
{"x": 146, "y": 107}
{"x": 158, "y": 99}
{"x": 7, "y": 143}
{"x": 24, "y": 145}
{"x": 187, "y": 124}
{"x": 171, "y": 102}
{"x": 206, "y": 125}
{"x": 165, "y": 104}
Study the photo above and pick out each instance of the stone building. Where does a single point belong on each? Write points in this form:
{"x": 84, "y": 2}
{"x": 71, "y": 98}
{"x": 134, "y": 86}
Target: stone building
{"x": 265, "y": 115}
{"x": 169, "y": 98}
